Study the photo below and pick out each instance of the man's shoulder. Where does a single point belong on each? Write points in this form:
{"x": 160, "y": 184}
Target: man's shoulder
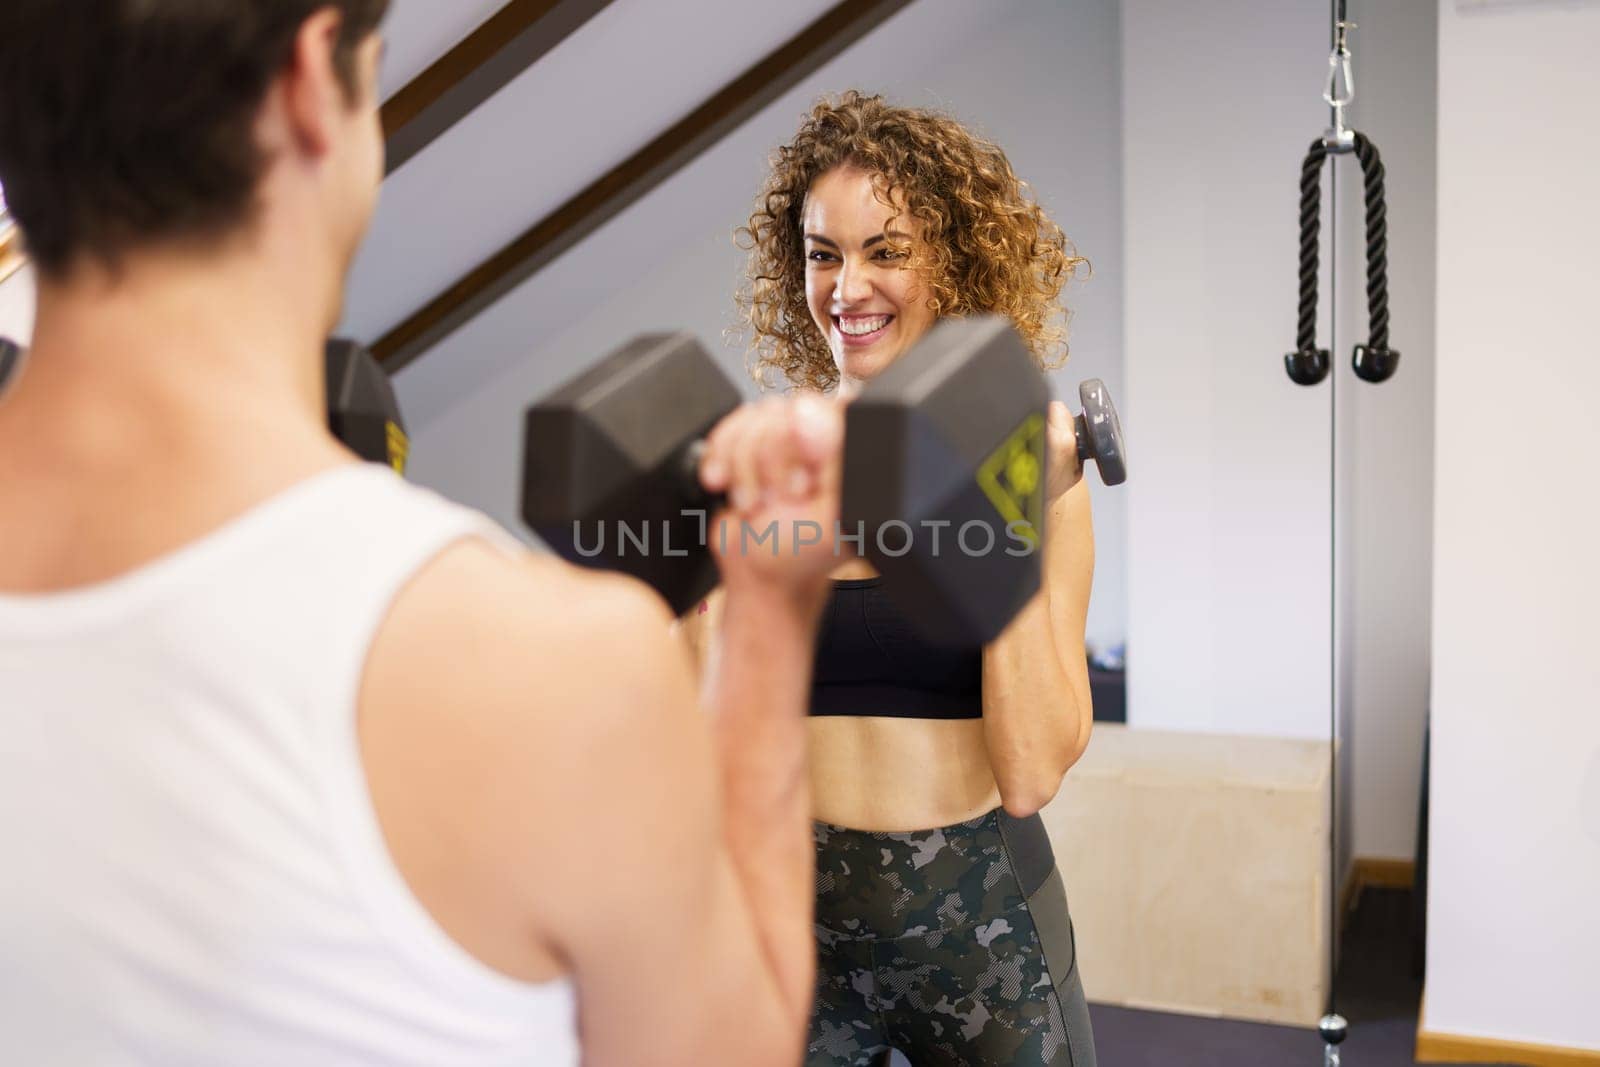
{"x": 496, "y": 627}
{"x": 502, "y": 695}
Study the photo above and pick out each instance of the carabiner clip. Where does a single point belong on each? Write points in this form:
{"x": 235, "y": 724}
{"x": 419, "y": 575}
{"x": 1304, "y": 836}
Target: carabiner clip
{"x": 1340, "y": 91}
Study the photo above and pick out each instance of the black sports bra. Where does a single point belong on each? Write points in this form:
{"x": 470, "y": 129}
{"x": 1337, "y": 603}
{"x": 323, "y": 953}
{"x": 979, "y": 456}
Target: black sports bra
{"x": 872, "y": 661}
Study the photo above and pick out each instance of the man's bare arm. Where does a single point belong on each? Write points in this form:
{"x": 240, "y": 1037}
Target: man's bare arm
{"x": 557, "y": 798}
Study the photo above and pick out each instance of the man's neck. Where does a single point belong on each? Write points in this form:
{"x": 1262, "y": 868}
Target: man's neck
{"x": 195, "y": 386}
{"x": 170, "y": 326}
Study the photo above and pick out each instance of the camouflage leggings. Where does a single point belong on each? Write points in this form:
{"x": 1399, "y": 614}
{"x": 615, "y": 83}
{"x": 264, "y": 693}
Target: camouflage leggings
{"x": 953, "y": 946}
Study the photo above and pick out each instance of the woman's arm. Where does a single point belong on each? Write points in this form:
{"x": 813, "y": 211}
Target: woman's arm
{"x": 697, "y": 627}
{"x": 1037, "y": 711}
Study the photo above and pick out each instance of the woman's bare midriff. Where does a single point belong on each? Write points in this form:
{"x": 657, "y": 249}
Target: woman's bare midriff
{"x": 876, "y": 773}
{"x": 879, "y": 773}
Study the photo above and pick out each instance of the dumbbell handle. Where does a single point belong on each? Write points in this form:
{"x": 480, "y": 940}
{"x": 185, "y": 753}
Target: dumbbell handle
{"x": 1080, "y": 429}
{"x": 687, "y": 462}
{"x": 1112, "y": 471}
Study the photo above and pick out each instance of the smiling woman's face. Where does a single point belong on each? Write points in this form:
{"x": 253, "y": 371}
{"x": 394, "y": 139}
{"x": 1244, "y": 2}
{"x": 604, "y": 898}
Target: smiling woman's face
{"x": 862, "y": 297}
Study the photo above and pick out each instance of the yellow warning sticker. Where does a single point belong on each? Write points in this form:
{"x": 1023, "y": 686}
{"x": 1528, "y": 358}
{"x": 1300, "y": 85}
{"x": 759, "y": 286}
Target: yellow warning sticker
{"x": 399, "y": 447}
{"x": 1013, "y": 478}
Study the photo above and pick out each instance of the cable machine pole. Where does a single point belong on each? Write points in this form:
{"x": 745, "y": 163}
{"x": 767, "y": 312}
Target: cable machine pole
{"x": 1332, "y": 1026}
{"x": 1374, "y": 362}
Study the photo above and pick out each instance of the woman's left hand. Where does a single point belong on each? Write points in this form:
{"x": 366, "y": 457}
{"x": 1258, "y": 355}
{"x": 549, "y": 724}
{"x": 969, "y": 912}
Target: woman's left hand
{"x": 1061, "y": 453}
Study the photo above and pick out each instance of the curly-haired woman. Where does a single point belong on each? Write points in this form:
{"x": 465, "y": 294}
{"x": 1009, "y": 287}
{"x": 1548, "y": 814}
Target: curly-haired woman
{"x": 941, "y": 919}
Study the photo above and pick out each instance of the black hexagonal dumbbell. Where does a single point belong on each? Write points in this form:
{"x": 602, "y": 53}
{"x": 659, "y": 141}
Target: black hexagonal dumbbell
{"x": 362, "y": 409}
{"x": 609, "y": 474}
{"x": 943, "y": 471}
{"x": 949, "y": 442}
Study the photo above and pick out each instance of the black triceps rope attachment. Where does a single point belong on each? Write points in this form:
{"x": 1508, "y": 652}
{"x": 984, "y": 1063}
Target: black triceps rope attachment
{"x": 1374, "y": 361}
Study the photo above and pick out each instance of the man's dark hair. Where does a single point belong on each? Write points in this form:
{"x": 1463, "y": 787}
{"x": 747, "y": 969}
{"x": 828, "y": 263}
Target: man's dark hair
{"x": 127, "y": 121}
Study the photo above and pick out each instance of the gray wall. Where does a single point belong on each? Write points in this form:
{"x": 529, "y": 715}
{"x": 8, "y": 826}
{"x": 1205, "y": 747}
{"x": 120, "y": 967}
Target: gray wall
{"x": 1038, "y": 76}
{"x": 1385, "y": 438}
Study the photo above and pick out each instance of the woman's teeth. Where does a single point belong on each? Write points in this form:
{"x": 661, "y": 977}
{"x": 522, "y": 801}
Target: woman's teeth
{"x": 858, "y": 327}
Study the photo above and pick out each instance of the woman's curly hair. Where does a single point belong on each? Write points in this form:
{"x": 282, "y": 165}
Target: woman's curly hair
{"x": 987, "y": 247}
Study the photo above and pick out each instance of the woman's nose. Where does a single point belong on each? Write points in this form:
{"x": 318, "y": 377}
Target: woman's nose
{"x": 854, "y": 286}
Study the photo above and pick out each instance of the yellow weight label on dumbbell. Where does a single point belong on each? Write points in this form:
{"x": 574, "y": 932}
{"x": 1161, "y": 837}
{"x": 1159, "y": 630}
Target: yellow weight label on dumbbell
{"x": 1012, "y": 476}
{"x": 399, "y": 447}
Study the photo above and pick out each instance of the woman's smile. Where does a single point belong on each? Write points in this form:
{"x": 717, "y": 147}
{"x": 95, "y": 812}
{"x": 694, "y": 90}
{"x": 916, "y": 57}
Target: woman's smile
{"x": 858, "y": 331}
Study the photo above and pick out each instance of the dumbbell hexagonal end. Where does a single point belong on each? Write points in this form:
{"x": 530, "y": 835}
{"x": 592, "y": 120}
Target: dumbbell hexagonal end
{"x": 945, "y": 453}
{"x": 603, "y": 475}
{"x": 363, "y": 411}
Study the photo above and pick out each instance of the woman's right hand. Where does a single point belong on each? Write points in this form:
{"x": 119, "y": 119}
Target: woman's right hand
{"x": 779, "y": 460}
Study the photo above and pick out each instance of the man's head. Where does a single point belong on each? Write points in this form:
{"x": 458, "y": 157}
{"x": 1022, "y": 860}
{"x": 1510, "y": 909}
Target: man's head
{"x": 132, "y": 124}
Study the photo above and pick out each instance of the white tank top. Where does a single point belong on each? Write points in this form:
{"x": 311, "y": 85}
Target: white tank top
{"x": 191, "y": 872}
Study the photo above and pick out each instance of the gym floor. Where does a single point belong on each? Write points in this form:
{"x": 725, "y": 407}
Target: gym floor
{"x": 1376, "y": 993}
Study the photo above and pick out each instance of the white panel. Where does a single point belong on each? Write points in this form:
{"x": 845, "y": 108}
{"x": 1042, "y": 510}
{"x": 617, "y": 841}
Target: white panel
{"x": 1469, "y": 7}
{"x": 1515, "y": 843}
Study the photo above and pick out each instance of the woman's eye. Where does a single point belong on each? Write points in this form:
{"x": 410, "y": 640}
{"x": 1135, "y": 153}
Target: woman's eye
{"x": 889, "y": 253}
{"x": 816, "y": 255}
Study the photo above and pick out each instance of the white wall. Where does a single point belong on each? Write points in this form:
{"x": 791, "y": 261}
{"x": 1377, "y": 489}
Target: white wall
{"x": 1036, "y": 75}
{"x": 1513, "y": 937}
{"x": 1228, "y": 506}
